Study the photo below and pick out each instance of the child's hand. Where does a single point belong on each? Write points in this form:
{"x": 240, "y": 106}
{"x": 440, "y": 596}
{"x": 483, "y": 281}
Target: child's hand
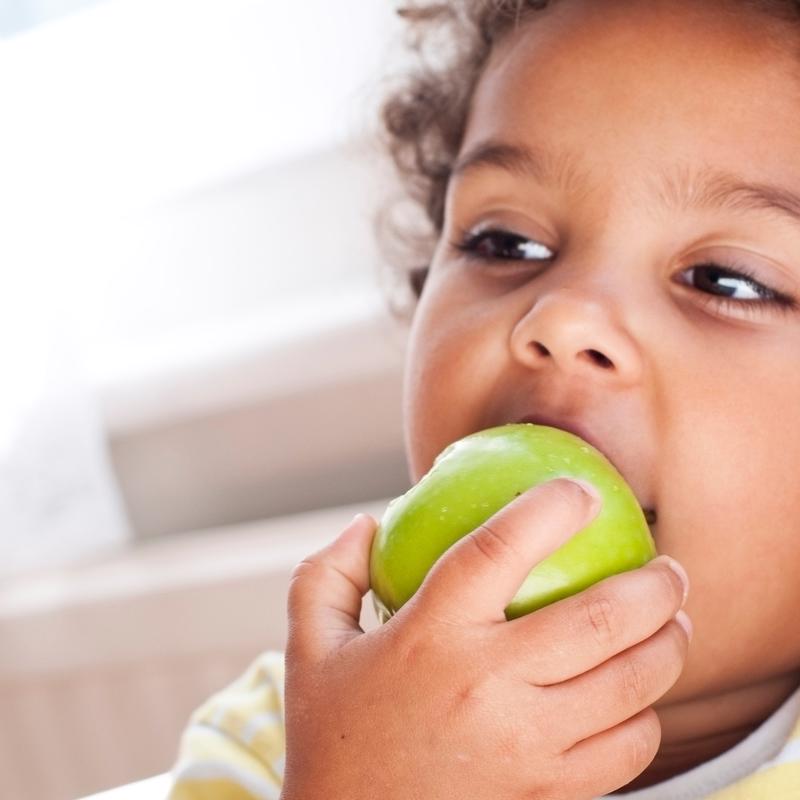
{"x": 448, "y": 699}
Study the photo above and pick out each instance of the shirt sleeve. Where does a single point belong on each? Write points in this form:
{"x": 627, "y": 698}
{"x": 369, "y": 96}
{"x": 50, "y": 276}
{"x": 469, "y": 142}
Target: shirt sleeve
{"x": 234, "y": 745}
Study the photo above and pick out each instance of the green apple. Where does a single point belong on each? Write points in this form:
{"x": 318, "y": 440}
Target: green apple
{"x": 475, "y": 477}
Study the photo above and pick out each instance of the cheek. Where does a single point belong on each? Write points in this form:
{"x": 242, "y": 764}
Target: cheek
{"x": 732, "y": 458}
{"x": 730, "y": 497}
{"x": 453, "y": 360}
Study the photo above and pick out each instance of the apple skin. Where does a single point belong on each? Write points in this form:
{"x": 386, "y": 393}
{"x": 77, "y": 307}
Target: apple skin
{"x": 471, "y": 480}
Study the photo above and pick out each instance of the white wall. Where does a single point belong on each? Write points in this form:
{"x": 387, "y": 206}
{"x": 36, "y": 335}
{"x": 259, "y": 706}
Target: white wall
{"x": 20, "y": 15}
{"x": 101, "y": 666}
{"x": 130, "y": 100}
{"x": 188, "y": 192}
{"x": 230, "y": 261}
{"x": 194, "y": 184}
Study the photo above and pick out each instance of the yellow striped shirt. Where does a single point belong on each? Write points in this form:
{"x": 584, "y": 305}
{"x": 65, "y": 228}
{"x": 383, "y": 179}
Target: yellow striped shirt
{"x": 234, "y": 746}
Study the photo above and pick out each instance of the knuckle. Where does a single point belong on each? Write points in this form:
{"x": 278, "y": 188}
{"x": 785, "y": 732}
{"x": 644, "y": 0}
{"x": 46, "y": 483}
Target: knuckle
{"x": 643, "y": 741}
{"x": 599, "y": 613}
{"x": 304, "y": 574}
{"x": 669, "y": 584}
{"x": 491, "y": 545}
{"x": 308, "y": 567}
{"x": 467, "y": 702}
{"x": 633, "y": 682}
{"x": 411, "y": 650}
{"x": 678, "y": 646}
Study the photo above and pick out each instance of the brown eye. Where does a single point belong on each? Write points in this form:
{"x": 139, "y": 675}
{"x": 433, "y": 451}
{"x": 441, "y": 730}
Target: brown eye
{"x": 736, "y": 285}
{"x": 726, "y": 283}
{"x": 499, "y": 245}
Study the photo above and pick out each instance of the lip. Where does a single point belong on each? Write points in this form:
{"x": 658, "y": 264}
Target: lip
{"x": 565, "y": 425}
{"x": 575, "y": 427}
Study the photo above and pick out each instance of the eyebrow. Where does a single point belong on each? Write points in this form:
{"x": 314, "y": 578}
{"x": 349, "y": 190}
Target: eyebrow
{"x": 680, "y": 188}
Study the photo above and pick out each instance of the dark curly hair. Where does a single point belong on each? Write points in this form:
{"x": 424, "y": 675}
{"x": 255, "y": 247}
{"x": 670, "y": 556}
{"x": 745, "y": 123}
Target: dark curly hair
{"x": 424, "y": 118}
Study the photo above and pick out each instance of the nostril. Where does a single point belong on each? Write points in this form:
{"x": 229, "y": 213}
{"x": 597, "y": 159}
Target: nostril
{"x": 599, "y": 359}
{"x": 541, "y": 349}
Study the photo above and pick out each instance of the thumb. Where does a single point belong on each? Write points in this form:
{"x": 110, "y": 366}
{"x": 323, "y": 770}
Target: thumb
{"x": 478, "y": 576}
{"x": 326, "y": 589}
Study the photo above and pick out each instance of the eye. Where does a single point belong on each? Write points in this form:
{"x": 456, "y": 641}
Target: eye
{"x": 734, "y": 286}
{"x": 499, "y": 245}
{"x": 730, "y": 288}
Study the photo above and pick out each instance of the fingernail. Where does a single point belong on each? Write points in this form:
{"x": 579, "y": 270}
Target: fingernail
{"x": 678, "y": 570}
{"x": 682, "y": 618}
{"x": 589, "y": 489}
{"x": 358, "y": 522}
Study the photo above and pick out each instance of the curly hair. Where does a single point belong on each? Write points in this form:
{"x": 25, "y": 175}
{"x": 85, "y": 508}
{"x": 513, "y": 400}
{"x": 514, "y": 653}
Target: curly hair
{"x": 423, "y": 120}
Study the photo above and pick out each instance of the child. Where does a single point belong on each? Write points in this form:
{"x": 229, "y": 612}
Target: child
{"x": 614, "y": 186}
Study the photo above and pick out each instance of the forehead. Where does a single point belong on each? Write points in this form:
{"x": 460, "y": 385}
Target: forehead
{"x": 622, "y": 88}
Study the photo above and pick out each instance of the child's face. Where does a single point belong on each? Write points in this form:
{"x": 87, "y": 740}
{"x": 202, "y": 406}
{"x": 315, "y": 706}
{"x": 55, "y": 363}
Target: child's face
{"x": 639, "y": 118}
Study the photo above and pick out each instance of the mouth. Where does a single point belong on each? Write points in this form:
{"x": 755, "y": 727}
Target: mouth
{"x": 574, "y": 427}
{"x": 569, "y": 426}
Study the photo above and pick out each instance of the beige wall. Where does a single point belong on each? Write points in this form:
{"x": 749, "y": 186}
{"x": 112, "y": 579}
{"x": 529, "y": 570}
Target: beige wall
{"x": 101, "y": 665}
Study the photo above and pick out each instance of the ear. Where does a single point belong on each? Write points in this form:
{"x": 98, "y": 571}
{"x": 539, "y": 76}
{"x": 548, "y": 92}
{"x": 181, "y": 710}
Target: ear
{"x": 416, "y": 278}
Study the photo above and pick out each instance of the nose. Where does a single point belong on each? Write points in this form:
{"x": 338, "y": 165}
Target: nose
{"x": 576, "y": 333}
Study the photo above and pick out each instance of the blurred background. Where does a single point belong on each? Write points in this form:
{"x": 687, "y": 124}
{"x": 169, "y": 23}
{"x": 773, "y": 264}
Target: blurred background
{"x": 201, "y": 376}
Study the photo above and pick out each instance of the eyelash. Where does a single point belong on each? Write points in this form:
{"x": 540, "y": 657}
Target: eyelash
{"x": 468, "y": 244}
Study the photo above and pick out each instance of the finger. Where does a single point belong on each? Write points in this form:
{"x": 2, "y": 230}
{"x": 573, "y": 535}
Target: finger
{"x": 479, "y": 575}
{"x": 609, "y": 760}
{"x": 326, "y": 591}
{"x": 622, "y": 686}
{"x": 574, "y": 635}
